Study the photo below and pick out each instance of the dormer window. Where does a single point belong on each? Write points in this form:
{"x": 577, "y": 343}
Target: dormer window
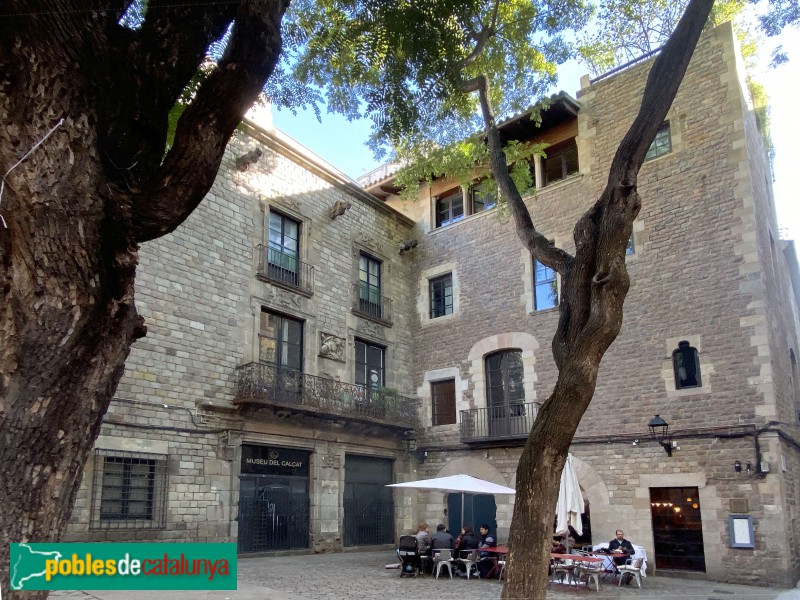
{"x": 561, "y": 161}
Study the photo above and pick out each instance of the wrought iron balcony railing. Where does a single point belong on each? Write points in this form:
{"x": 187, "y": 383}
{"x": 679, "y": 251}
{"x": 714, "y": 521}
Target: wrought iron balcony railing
{"x": 513, "y": 421}
{"x": 268, "y": 385}
{"x": 368, "y": 302}
{"x": 286, "y": 269}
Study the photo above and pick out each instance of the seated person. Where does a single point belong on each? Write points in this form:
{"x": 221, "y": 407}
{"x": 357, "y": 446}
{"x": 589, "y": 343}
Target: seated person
{"x": 620, "y": 549}
{"x": 423, "y": 539}
{"x": 486, "y": 562}
{"x": 558, "y": 545}
{"x": 469, "y": 542}
{"x": 442, "y": 540}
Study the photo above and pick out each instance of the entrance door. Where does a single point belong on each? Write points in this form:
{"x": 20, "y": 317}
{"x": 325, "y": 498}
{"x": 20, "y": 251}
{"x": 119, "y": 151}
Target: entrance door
{"x": 478, "y": 509}
{"x": 368, "y": 504}
{"x": 273, "y": 513}
{"x": 677, "y": 529}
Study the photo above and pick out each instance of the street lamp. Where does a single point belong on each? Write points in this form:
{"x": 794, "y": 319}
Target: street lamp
{"x": 659, "y": 431}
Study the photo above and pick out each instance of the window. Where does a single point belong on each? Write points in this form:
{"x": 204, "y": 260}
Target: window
{"x": 483, "y": 195}
{"x": 561, "y": 161}
{"x": 686, "y": 364}
{"x": 545, "y": 287}
{"x": 443, "y": 396}
{"x": 281, "y": 341}
{"x": 369, "y": 285}
{"x": 369, "y": 365}
{"x": 504, "y": 380}
{"x": 284, "y": 249}
{"x": 449, "y": 207}
{"x": 630, "y": 248}
{"x": 441, "y": 294}
{"x": 662, "y": 143}
{"x": 129, "y": 490}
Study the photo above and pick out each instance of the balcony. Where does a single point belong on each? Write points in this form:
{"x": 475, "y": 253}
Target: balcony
{"x": 285, "y": 270}
{"x": 498, "y": 423}
{"x": 266, "y": 385}
{"x": 369, "y": 303}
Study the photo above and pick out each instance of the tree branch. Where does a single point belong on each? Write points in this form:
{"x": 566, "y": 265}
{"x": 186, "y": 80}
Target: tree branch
{"x": 208, "y": 122}
{"x": 151, "y": 67}
{"x": 662, "y": 84}
{"x": 480, "y": 39}
{"x": 538, "y": 245}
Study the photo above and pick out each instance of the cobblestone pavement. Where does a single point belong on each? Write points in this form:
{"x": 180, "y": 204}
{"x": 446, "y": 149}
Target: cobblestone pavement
{"x": 362, "y": 576}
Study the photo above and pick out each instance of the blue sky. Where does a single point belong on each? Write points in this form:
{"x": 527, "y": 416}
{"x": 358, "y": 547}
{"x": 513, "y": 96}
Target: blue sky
{"x": 341, "y": 143}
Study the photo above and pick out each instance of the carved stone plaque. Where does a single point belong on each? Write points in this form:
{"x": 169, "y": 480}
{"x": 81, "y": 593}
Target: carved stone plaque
{"x": 331, "y": 346}
{"x": 371, "y": 328}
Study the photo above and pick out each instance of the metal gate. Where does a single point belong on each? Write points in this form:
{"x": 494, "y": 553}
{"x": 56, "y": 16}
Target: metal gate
{"x": 273, "y": 513}
{"x": 368, "y": 503}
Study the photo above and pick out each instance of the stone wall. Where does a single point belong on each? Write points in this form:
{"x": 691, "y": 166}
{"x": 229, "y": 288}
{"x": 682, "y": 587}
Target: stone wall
{"x": 701, "y": 271}
{"x": 201, "y": 297}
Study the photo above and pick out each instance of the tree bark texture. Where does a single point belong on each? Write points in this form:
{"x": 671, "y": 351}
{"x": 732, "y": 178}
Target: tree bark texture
{"x": 594, "y": 285}
{"x": 78, "y": 207}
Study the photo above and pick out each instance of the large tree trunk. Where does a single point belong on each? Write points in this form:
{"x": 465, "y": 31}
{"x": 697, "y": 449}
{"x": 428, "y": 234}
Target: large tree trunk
{"x": 594, "y": 285}
{"x": 79, "y": 205}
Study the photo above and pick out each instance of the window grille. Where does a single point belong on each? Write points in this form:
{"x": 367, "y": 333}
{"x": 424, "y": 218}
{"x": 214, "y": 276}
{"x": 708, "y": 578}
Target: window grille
{"x": 129, "y": 490}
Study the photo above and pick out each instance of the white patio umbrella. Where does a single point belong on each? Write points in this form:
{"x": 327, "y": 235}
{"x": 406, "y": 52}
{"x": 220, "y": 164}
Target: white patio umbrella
{"x": 570, "y": 501}
{"x": 463, "y": 484}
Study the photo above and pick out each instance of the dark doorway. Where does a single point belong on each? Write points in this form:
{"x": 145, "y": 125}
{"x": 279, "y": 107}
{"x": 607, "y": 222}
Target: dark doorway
{"x": 273, "y": 513}
{"x": 677, "y": 529}
{"x": 273, "y": 499}
{"x": 478, "y": 508}
{"x": 368, "y": 505}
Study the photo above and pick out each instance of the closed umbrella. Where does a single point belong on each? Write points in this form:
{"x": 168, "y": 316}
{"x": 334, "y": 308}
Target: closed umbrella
{"x": 570, "y": 501}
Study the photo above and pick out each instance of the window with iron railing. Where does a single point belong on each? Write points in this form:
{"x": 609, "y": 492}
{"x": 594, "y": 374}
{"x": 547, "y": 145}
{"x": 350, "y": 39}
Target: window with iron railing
{"x": 369, "y": 285}
{"x": 283, "y": 250}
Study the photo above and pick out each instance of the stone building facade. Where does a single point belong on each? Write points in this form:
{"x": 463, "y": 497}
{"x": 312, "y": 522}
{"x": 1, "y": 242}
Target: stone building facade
{"x": 310, "y": 341}
{"x": 238, "y": 417}
{"x": 707, "y": 268}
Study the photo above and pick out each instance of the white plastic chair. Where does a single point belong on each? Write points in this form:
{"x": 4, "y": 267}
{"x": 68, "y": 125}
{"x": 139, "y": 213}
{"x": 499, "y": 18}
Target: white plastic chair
{"x": 443, "y": 558}
{"x": 633, "y": 568}
{"x": 470, "y": 561}
{"x": 560, "y": 568}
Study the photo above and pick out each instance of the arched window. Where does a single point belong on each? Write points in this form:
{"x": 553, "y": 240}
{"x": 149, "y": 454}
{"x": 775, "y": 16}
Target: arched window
{"x": 686, "y": 364}
{"x": 504, "y": 378}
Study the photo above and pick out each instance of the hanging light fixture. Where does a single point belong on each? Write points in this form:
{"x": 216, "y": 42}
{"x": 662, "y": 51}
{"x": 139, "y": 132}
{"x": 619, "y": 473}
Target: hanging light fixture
{"x": 659, "y": 431}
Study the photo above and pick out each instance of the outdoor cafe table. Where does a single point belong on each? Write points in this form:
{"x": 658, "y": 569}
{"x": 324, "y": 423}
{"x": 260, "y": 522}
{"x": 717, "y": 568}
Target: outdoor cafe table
{"x": 497, "y": 550}
{"x": 581, "y": 558}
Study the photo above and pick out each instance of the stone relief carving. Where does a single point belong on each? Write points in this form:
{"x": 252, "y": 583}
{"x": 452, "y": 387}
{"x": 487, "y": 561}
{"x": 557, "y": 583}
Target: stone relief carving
{"x": 331, "y": 460}
{"x": 370, "y": 328}
{"x": 287, "y": 300}
{"x": 331, "y": 346}
{"x": 288, "y": 202}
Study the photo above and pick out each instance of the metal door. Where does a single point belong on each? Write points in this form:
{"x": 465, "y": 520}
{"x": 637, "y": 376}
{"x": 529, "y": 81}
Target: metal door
{"x": 478, "y": 509}
{"x": 368, "y": 503}
{"x": 273, "y": 513}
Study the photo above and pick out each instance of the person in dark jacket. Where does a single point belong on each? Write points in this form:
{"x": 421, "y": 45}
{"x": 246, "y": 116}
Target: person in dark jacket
{"x": 620, "y": 549}
{"x": 442, "y": 540}
{"x": 469, "y": 541}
